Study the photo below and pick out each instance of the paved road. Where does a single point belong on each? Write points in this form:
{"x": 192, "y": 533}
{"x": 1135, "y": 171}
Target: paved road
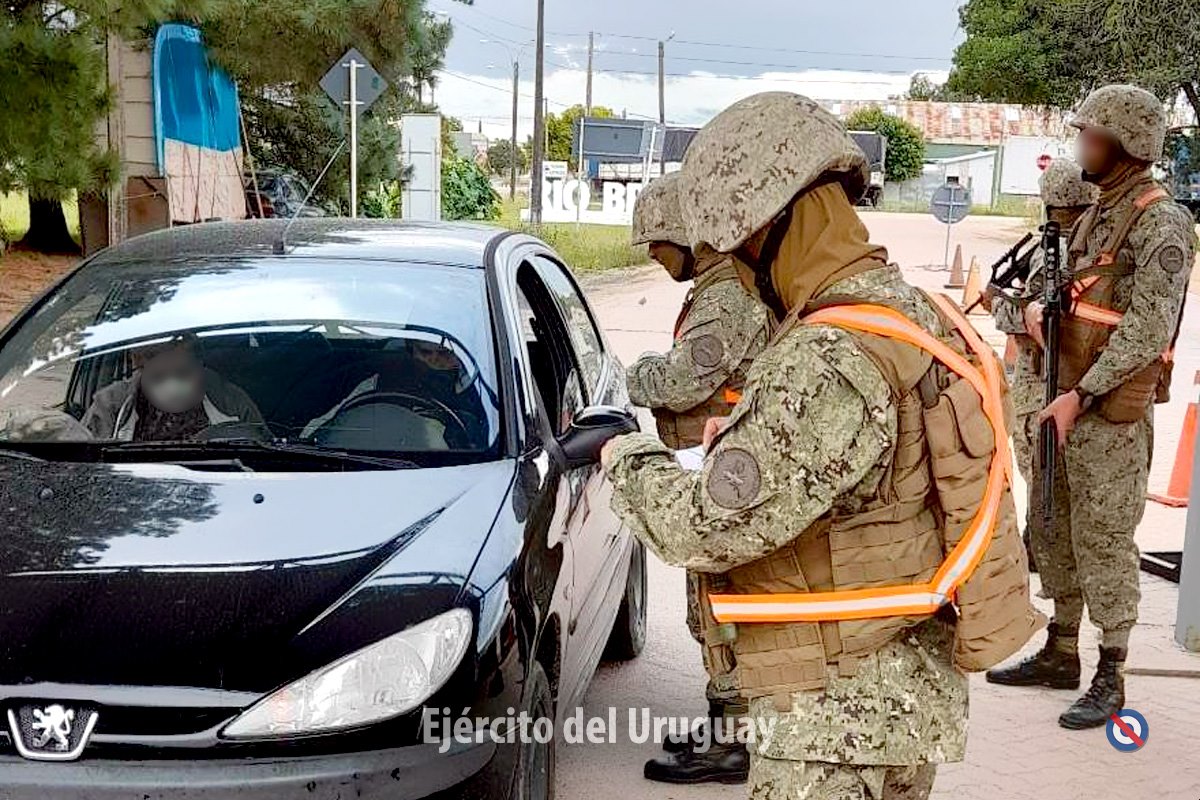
{"x": 1016, "y": 750}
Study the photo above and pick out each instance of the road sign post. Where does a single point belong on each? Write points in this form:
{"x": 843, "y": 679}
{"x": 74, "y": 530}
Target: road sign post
{"x": 950, "y": 204}
{"x": 354, "y": 83}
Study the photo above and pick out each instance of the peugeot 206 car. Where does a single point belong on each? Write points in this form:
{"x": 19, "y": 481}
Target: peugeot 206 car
{"x": 272, "y": 501}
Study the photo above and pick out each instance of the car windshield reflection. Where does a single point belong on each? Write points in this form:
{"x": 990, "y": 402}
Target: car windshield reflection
{"x": 346, "y": 356}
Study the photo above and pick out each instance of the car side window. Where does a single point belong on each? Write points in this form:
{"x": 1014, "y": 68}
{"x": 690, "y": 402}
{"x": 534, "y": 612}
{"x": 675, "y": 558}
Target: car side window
{"x": 580, "y": 326}
{"x": 547, "y": 343}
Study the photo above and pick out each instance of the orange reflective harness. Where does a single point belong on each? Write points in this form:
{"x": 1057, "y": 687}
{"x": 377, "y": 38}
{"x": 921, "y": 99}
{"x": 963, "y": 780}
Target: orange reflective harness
{"x": 960, "y": 563}
{"x": 1090, "y": 312}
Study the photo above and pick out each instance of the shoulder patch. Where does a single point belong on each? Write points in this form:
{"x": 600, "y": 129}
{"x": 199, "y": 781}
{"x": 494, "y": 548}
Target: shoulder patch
{"x": 1171, "y": 258}
{"x": 734, "y": 479}
{"x": 707, "y": 350}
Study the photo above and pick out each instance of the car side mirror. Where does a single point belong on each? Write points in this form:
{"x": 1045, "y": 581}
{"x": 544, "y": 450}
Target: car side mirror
{"x": 589, "y": 430}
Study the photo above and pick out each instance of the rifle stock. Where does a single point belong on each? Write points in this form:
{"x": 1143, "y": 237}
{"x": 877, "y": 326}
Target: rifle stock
{"x": 1052, "y": 318}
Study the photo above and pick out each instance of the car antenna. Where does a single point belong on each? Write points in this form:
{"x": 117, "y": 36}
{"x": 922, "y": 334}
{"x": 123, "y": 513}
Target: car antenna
{"x": 281, "y": 243}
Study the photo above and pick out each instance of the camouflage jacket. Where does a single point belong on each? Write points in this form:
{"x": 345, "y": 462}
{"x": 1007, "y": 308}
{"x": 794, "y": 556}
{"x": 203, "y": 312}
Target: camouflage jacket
{"x": 814, "y": 431}
{"x": 1161, "y": 249}
{"x": 720, "y": 329}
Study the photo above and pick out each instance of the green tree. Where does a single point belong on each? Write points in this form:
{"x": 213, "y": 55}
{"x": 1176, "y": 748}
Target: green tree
{"x": 466, "y": 191}
{"x": 1053, "y": 52}
{"x": 905, "y": 144}
{"x": 291, "y": 123}
{"x": 560, "y": 130}
{"x": 921, "y": 88}
{"x": 500, "y": 157}
{"x": 53, "y": 94}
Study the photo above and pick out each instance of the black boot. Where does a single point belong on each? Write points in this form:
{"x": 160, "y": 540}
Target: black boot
{"x": 698, "y": 733}
{"x": 721, "y": 763}
{"x": 1105, "y": 697}
{"x": 1048, "y": 667}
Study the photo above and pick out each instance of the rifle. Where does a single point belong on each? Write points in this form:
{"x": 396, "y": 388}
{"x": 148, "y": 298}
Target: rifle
{"x": 1019, "y": 268}
{"x": 1052, "y": 301}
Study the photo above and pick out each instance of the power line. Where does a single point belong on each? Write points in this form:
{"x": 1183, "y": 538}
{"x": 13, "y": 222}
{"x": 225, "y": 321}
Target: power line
{"x": 507, "y": 91}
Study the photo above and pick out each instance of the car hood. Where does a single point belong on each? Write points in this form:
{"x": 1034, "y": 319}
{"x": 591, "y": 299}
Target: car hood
{"x": 162, "y": 575}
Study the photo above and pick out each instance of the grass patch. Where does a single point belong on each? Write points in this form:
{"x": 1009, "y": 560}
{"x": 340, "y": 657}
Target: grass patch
{"x": 585, "y": 248}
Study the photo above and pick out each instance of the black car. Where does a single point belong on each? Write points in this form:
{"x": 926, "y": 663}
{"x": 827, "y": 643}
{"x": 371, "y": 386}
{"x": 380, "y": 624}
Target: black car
{"x": 378, "y": 505}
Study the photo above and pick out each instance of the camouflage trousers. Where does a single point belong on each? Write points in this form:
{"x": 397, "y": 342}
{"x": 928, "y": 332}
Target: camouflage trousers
{"x": 1099, "y": 497}
{"x": 722, "y": 686}
{"x": 1025, "y": 451}
{"x": 775, "y": 779}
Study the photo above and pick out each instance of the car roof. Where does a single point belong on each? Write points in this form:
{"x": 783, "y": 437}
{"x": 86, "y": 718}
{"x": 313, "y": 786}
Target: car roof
{"x": 458, "y": 243}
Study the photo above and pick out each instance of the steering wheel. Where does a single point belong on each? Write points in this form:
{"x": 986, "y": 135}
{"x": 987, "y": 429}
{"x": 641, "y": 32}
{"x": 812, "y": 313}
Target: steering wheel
{"x": 431, "y": 408}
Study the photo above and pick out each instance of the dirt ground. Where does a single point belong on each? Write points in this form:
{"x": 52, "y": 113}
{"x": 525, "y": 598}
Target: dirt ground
{"x": 23, "y": 276}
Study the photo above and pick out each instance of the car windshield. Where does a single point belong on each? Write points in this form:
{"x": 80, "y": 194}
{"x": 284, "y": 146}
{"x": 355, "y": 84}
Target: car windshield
{"x": 337, "y": 356}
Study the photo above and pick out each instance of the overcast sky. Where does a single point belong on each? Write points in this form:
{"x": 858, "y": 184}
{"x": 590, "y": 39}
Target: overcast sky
{"x": 721, "y": 51}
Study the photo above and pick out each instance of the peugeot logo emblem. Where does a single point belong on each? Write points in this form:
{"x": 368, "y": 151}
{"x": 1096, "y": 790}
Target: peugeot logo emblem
{"x": 51, "y": 732}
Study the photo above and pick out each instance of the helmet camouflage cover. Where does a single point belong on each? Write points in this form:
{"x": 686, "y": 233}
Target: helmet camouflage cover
{"x": 656, "y": 215}
{"x": 1062, "y": 185}
{"x": 752, "y": 159}
{"x": 1133, "y": 116}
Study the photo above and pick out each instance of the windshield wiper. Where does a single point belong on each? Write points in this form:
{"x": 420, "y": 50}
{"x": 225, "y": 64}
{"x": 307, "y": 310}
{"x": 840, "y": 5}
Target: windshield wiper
{"x": 241, "y": 445}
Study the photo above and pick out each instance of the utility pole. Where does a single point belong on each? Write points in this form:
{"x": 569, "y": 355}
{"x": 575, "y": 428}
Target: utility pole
{"x": 662, "y": 85}
{"x": 539, "y": 119}
{"x": 514, "y": 154}
{"x": 587, "y": 106}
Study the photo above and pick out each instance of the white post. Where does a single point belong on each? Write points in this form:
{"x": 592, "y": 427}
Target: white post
{"x": 1187, "y": 615}
{"x": 354, "y": 67}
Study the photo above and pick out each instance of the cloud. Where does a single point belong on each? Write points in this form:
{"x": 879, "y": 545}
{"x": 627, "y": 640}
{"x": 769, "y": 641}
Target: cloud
{"x": 691, "y": 99}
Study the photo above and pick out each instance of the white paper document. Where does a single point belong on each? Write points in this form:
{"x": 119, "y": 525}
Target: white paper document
{"x": 692, "y": 458}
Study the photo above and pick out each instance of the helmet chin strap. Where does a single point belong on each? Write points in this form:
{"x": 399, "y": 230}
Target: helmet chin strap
{"x": 762, "y": 264}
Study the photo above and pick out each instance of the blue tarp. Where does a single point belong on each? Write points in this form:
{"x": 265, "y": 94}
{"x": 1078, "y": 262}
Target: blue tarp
{"x": 195, "y": 102}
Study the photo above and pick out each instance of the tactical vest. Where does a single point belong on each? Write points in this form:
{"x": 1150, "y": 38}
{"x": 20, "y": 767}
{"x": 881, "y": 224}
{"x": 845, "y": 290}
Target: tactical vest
{"x": 941, "y": 530}
{"x": 1086, "y": 329}
{"x": 686, "y": 429}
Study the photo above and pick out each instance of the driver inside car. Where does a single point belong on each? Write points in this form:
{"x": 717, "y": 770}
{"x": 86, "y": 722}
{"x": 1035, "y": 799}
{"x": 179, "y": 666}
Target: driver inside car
{"x": 426, "y": 371}
{"x": 171, "y": 396}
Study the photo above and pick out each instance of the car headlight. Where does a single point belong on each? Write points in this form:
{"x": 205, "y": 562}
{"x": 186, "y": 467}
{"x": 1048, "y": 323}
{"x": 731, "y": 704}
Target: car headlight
{"x": 382, "y": 680}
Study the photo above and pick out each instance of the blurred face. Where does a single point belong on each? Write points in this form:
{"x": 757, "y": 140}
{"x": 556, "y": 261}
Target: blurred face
{"x": 435, "y": 356}
{"x": 1097, "y": 151}
{"x": 173, "y": 380}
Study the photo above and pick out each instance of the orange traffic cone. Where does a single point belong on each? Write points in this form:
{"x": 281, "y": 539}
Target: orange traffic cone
{"x": 1180, "y": 484}
{"x": 956, "y": 273}
{"x": 973, "y": 289}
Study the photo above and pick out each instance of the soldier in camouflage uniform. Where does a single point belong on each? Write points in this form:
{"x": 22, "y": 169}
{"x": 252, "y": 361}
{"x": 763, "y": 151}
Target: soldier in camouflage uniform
{"x": 719, "y": 331}
{"x": 808, "y": 449}
{"x": 1130, "y": 258}
{"x": 1066, "y": 196}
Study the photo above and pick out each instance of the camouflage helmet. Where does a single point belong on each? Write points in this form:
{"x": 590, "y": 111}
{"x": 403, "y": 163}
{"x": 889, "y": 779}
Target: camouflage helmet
{"x": 1133, "y": 116}
{"x": 656, "y": 213}
{"x": 752, "y": 159}
{"x": 1062, "y": 185}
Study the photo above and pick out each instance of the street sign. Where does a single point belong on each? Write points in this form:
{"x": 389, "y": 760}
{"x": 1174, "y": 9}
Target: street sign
{"x": 554, "y": 170}
{"x": 1043, "y": 161}
{"x": 353, "y": 82}
{"x": 336, "y": 82}
{"x": 951, "y": 203}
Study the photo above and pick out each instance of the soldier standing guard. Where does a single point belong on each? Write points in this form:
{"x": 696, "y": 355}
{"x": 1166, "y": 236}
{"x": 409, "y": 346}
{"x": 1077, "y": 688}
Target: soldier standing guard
{"x": 857, "y": 486}
{"x": 1130, "y": 258}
